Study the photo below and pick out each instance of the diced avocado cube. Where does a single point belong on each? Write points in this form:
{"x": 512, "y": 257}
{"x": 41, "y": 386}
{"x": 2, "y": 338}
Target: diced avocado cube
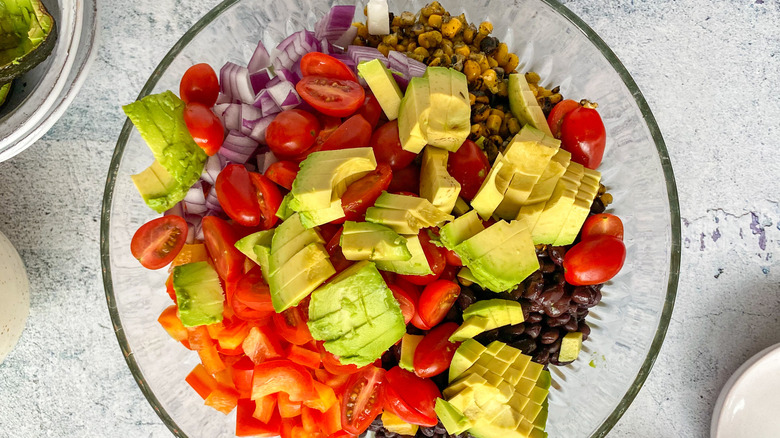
{"x": 524, "y": 386}
{"x": 451, "y": 418}
{"x": 392, "y": 423}
{"x": 491, "y": 192}
{"x": 436, "y": 184}
{"x": 538, "y": 395}
{"x": 449, "y": 116}
{"x": 159, "y": 190}
{"x": 198, "y": 294}
{"x": 247, "y": 244}
{"x": 461, "y": 207}
{"x": 324, "y": 175}
{"x": 400, "y": 221}
{"x": 471, "y": 327}
{"x": 531, "y": 411}
{"x": 533, "y": 371}
{"x": 552, "y": 218}
{"x": 409, "y": 345}
{"x": 284, "y": 211}
{"x": 299, "y": 276}
{"x": 413, "y": 115}
{"x": 523, "y": 104}
{"x": 416, "y": 265}
{"x": 369, "y": 241}
{"x": 571, "y": 344}
{"x": 580, "y": 210}
{"x": 460, "y": 229}
{"x": 465, "y": 356}
{"x": 282, "y": 253}
{"x": 382, "y": 84}
{"x": 422, "y": 209}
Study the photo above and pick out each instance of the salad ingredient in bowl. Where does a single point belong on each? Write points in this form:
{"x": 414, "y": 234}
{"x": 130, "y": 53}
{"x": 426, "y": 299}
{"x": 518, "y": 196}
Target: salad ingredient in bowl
{"x": 321, "y": 266}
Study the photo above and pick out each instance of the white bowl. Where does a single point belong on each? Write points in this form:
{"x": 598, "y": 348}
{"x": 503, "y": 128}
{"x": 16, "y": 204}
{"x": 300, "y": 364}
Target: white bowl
{"x": 39, "y": 97}
{"x": 748, "y": 403}
{"x": 14, "y": 297}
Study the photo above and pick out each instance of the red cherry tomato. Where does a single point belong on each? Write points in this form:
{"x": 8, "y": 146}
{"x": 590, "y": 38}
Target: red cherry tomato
{"x": 434, "y": 353}
{"x": 355, "y": 132}
{"x": 337, "y": 258}
{"x": 406, "y": 180}
{"x": 320, "y": 64}
{"x": 583, "y": 134}
{"x": 283, "y": 173}
{"x": 602, "y": 224}
{"x": 387, "y": 146}
{"x": 199, "y": 84}
{"x": 469, "y": 166}
{"x": 204, "y": 127}
{"x": 362, "y": 400}
{"x": 410, "y": 397}
{"x": 436, "y": 300}
{"x": 221, "y": 242}
{"x": 236, "y": 195}
{"x": 291, "y": 325}
{"x": 157, "y": 242}
{"x": 407, "y": 299}
{"x": 291, "y": 133}
{"x": 594, "y": 261}
{"x": 371, "y": 110}
{"x": 452, "y": 258}
{"x": 268, "y": 197}
{"x": 251, "y": 300}
{"x": 435, "y": 257}
{"x": 334, "y": 97}
{"x": 362, "y": 193}
{"x": 555, "y": 118}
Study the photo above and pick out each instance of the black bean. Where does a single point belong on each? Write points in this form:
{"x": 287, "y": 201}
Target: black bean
{"x": 556, "y": 254}
{"x": 549, "y": 336}
{"x": 541, "y": 251}
{"x": 487, "y": 337}
{"x": 533, "y": 318}
{"x": 547, "y": 267}
{"x": 551, "y": 295}
{"x": 585, "y": 329}
{"x": 439, "y": 428}
{"x": 542, "y": 357}
{"x": 582, "y": 312}
{"x": 466, "y": 298}
{"x": 559, "y": 307}
{"x": 555, "y": 346}
{"x": 595, "y": 298}
{"x": 558, "y": 321}
{"x": 534, "y": 288}
{"x": 597, "y": 207}
{"x": 526, "y": 345}
{"x": 535, "y": 307}
{"x": 533, "y": 330}
{"x": 581, "y": 295}
{"x": 454, "y": 315}
{"x": 427, "y": 431}
{"x": 488, "y": 44}
{"x": 572, "y": 325}
{"x": 513, "y": 330}
{"x": 526, "y": 306}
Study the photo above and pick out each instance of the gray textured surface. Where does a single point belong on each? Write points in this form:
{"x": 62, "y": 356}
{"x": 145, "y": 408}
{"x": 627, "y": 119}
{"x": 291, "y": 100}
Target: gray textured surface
{"x": 709, "y": 72}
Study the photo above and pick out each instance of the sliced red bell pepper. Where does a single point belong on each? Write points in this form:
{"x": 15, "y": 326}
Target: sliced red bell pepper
{"x": 265, "y": 408}
{"x": 332, "y": 364}
{"x": 291, "y": 325}
{"x": 262, "y": 344}
{"x": 209, "y": 357}
{"x": 199, "y": 337}
{"x": 331, "y": 419}
{"x": 224, "y": 379}
{"x": 241, "y": 374}
{"x": 310, "y": 419}
{"x": 304, "y": 356}
{"x": 335, "y": 381}
{"x": 287, "y": 408}
{"x": 247, "y": 425}
{"x": 222, "y": 399}
{"x": 282, "y": 375}
{"x": 201, "y": 381}
{"x": 288, "y": 427}
{"x": 169, "y": 288}
{"x": 169, "y": 320}
{"x": 326, "y": 397}
{"x": 232, "y": 334}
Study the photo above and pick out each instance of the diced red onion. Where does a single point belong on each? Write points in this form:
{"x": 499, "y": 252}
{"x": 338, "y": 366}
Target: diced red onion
{"x": 212, "y": 202}
{"x": 284, "y": 95}
{"x": 193, "y": 226}
{"x": 236, "y": 83}
{"x": 284, "y": 54}
{"x": 237, "y": 147}
{"x": 396, "y": 61}
{"x": 176, "y": 210}
{"x": 347, "y": 38}
{"x": 266, "y": 103}
{"x": 260, "y": 79}
{"x": 416, "y": 69}
{"x": 335, "y": 22}
{"x": 250, "y": 114}
{"x": 288, "y": 75}
{"x": 225, "y": 84}
{"x": 327, "y": 48}
{"x": 231, "y": 117}
{"x": 219, "y": 111}
{"x": 223, "y": 98}
{"x": 402, "y": 82}
{"x": 260, "y": 59}
{"x": 195, "y": 200}
{"x": 258, "y": 132}
{"x": 265, "y": 158}
{"x": 346, "y": 59}
{"x": 365, "y": 53}
{"x": 214, "y": 165}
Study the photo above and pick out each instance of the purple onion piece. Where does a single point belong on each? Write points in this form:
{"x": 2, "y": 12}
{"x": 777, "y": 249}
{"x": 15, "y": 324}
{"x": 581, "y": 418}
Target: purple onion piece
{"x": 284, "y": 95}
{"x": 260, "y": 79}
{"x": 231, "y": 117}
{"x": 258, "y": 132}
{"x": 260, "y": 59}
{"x": 265, "y": 160}
{"x": 288, "y": 75}
{"x": 214, "y": 165}
{"x": 347, "y": 37}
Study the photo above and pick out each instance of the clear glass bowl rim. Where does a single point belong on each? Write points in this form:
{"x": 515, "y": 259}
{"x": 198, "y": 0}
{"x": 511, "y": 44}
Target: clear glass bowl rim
{"x": 609, "y": 55}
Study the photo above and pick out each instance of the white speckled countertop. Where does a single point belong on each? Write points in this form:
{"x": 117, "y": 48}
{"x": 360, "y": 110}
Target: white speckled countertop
{"x": 710, "y": 71}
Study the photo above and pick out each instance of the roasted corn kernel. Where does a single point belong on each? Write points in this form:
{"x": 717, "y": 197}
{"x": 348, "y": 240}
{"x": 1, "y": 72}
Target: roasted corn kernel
{"x": 471, "y": 70}
{"x": 362, "y": 31}
{"x": 390, "y": 40}
{"x": 513, "y": 125}
{"x": 512, "y": 62}
{"x": 496, "y": 112}
{"x": 472, "y": 99}
{"x": 422, "y": 51}
{"x": 485, "y": 28}
{"x": 435, "y": 21}
{"x": 462, "y": 49}
{"x": 468, "y": 34}
{"x": 480, "y": 113}
{"x": 493, "y": 123}
{"x": 429, "y": 39}
{"x": 502, "y": 54}
{"x": 490, "y": 80}
{"x": 384, "y": 48}
{"x": 451, "y": 28}
{"x": 532, "y": 77}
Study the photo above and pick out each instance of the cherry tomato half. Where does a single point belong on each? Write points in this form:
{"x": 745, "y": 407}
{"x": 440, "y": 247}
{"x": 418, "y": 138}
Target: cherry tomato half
{"x": 337, "y": 258}
{"x": 602, "y": 224}
{"x": 406, "y": 180}
{"x": 410, "y": 397}
{"x": 320, "y": 64}
{"x": 221, "y": 242}
{"x": 583, "y": 134}
{"x": 199, "y": 84}
{"x": 291, "y": 133}
{"x": 387, "y": 146}
{"x": 362, "y": 193}
{"x": 407, "y": 299}
{"x": 355, "y": 132}
{"x": 291, "y": 325}
{"x": 469, "y": 166}
{"x": 434, "y": 353}
{"x": 204, "y": 127}
{"x": 157, "y": 242}
{"x": 236, "y": 195}
{"x": 283, "y": 173}
{"x": 371, "y": 110}
{"x": 594, "y": 261}
{"x": 269, "y": 198}
{"x": 363, "y": 399}
{"x": 555, "y": 118}
{"x": 435, "y": 257}
{"x": 334, "y": 97}
{"x": 436, "y": 300}
{"x": 251, "y": 300}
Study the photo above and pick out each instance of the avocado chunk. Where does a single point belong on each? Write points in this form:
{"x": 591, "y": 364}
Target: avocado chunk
{"x": 462, "y": 228}
{"x": 284, "y": 210}
{"x": 382, "y": 84}
{"x": 471, "y": 327}
{"x": 405, "y": 214}
{"x": 416, "y": 265}
{"x": 247, "y": 244}
{"x": 523, "y": 104}
{"x": 409, "y": 345}
{"x": 465, "y": 356}
{"x": 28, "y": 35}
{"x": 369, "y": 241}
{"x": 413, "y": 115}
{"x": 159, "y": 190}
{"x": 544, "y": 188}
{"x": 198, "y": 294}
{"x": 571, "y": 344}
{"x": 436, "y": 184}
{"x": 487, "y": 315}
{"x": 451, "y": 418}
{"x": 356, "y": 315}
{"x": 449, "y": 119}
{"x": 553, "y": 216}
{"x": 4, "y": 89}
{"x": 586, "y": 193}
{"x": 491, "y": 192}
{"x": 159, "y": 119}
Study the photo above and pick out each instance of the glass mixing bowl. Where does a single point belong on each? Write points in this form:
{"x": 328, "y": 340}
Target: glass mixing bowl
{"x": 39, "y": 97}
{"x": 589, "y": 396}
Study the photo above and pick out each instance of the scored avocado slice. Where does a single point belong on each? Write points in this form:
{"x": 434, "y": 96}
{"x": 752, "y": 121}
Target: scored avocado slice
{"x": 27, "y": 37}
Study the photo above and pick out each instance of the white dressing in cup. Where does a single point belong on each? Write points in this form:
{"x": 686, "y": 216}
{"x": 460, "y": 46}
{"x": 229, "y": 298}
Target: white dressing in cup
{"x": 14, "y": 297}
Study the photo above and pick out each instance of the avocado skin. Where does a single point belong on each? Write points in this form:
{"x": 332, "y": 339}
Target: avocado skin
{"x": 37, "y": 53}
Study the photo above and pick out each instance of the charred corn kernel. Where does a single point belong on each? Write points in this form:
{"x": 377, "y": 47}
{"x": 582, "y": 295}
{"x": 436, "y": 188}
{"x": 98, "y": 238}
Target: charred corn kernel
{"x": 513, "y": 125}
{"x": 406, "y": 18}
{"x": 503, "y": 88}
{"x": 390, "y": 40}
{"x": 501, "y": 54}
{"x": 503, "y": 131}
{"x": 485, "y": 28}
{"x": 483, "y": 64}
{"x": 588, "y": 104}
{"x": 362, "y": 30}
{"x": 496, "y": 112}
{"x": 451, "y": 28}
{"x": 418, "y": 29}
{"x": 512, "y": 62}
{"x": 544, "y": 92}
{"x": 532, "y": 77}
{"x": 415, "y": 56}
{"x": 422, "y": 52}
{"x": 429, "y": 39}
{"x": 483, "y": 98}
{"x": 606, "y": 199}
{"x": 492, "y": 62}
{"x": 434, "y": 62}
{"x": 602, "y": 189}
{"x": 396, "y": 21}
{"x": 475, "y": 129}
{"x": 490, "y": 80}
{"x": 472, "y": 99}
{"x": 400, "y": 48}
{"x": 471, "y": 70}
{"x": 358, "y": 42}
{"x": 435, "y": 21}
{"x": 493, "y": 124}
{"x": 468, "y": 34}
{"x": 480, "y": 113}
{"x": 411, "y": 45}
{"x": 437, "y": 53}
{"x": 448, "y": 50}
{"x": 478, "y": 42}
{"x": 384, "y": 48}
{"x": 534, "y": 89}
{"x": 462, "y": 49}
